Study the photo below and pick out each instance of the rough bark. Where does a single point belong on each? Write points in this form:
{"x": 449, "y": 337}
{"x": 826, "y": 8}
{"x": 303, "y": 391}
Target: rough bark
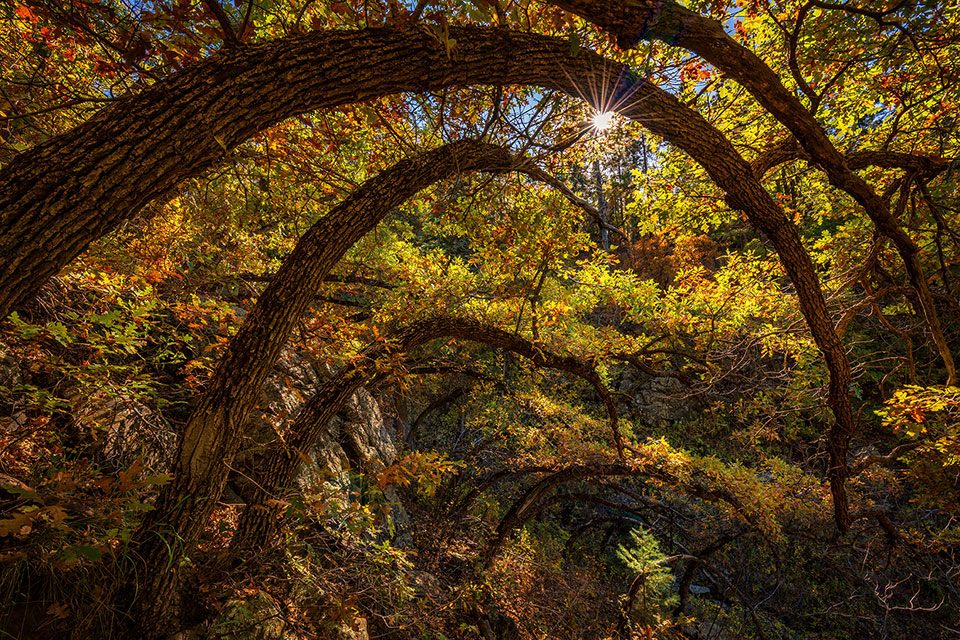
{"x": 213, "y": 432}
{"x": 735, "y": 176}
{"x": 58, "y": 197}
{"x": 634, "y": 20}
{"x": 212, "y": 435}
{"x": 274, "y": 474}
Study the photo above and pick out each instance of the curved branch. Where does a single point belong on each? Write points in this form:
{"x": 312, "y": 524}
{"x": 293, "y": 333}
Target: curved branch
{"x": 926, "y": 166}
{"x": 212, "y": 435}
{"x": 634, "y": 20}
{"x": 259, "y": 524}
{"x": 528, "y": 505}
{"x": 61, "y": 195}
{"x": 442, "y": 401}
{"x": 890, "y": 458}
{"x": 58, "y": 197}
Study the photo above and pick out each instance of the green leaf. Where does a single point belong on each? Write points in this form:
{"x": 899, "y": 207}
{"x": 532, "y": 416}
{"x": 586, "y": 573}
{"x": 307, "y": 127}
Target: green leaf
{"x": 82, "y": 551}
{"x": 574, "y": 39}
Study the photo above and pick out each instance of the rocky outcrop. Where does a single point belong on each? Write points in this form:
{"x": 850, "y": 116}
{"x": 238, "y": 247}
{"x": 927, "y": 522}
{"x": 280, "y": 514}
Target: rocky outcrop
{"x": 126, "y": 430}
{"x": 358, "y": 440}
{"x": 123, "y": 429}
{"x": 655, "y": 402}
{"x": 285, "y": 393}
{"x": 365, "y": 435}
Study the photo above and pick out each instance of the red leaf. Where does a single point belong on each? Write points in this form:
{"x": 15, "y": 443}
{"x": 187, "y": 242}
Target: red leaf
{"x": 26, "y": 14}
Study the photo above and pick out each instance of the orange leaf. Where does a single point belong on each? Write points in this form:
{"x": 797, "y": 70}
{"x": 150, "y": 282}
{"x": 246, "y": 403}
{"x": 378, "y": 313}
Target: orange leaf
{"x": 26, "y": 14}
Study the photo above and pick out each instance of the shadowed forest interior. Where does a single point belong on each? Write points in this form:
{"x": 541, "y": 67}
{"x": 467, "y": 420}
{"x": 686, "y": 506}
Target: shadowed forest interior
{"x": 479, "y": 319}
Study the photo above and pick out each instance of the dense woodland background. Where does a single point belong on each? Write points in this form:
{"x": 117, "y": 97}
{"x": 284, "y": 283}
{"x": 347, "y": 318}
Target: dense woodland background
{"x": 488, "y": 319}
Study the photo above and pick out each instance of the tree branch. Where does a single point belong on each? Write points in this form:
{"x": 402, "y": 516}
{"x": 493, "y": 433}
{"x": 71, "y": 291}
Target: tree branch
{"x": 229, "y": 35}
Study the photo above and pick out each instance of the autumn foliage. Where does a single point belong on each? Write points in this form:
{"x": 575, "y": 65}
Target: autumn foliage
{"x": 431, "y": 351}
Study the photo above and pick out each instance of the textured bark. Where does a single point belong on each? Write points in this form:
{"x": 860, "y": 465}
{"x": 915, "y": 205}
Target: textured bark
{"x": 58, "y": 197}
{"x": 213, "y": 432}
{"x": 259, "y": 524}
{"x": 735, "y": 176}
{"x": 925, "y": 166}
{"x": 634, "y": 20}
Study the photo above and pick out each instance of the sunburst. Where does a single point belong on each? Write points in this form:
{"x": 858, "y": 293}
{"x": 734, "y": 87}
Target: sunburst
{"x": 602, "y": 120}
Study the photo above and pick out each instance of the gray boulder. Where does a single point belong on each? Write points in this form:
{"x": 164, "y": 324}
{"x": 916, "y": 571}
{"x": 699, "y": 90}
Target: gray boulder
{"x": 127, "y": 429}
{"x": 359, "y": 439}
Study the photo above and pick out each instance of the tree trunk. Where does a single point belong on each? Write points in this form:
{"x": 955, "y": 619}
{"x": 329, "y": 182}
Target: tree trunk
{"x": 634, "y": 20}
{"x": 529, "y": 504}
{"x": 259, "y": 524}
{"x": 58, "y": 197}
{"x": 61, "y": 195}
{"x": 213, "y": 432}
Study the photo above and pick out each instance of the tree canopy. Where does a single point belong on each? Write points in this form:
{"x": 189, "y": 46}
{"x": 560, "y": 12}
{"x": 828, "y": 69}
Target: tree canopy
{"x": 610, "y": 297}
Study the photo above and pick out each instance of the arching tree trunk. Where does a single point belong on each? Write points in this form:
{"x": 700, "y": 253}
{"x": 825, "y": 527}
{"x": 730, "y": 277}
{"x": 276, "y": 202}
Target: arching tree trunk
{"x": 213, "y": 432}
{"x": 532, "y": 501}
{"x": 634, "y": 20}
{"x": 60, "y": 196}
